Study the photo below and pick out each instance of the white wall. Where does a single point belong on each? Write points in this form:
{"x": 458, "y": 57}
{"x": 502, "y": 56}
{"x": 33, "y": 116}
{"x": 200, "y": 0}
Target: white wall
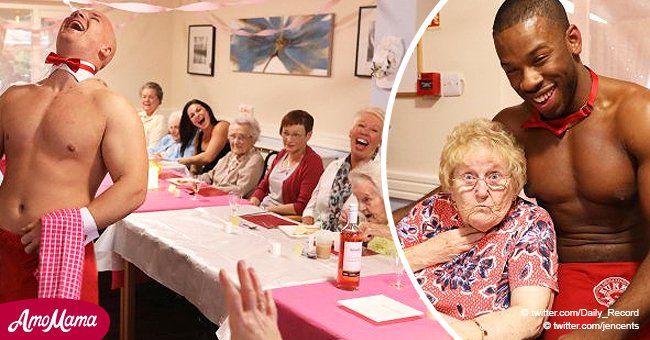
{"x": 419, "y": 126}
{"x": 143, "y": 54}
{"x": 154, "y": 47}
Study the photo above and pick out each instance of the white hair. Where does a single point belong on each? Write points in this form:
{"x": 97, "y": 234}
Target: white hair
{"x": 251, "y": 122}
{"x": 373, "y": 110}
{"x": 174, "y": 117}
{"x": 370, "y": 171}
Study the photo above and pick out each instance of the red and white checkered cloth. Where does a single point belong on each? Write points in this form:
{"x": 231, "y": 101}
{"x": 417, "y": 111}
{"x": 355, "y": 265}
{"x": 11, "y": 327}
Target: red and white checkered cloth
{"x": 61, "y": 255}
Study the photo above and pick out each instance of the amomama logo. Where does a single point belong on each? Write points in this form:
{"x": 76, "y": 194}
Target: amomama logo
{"x": 52, "y": 319}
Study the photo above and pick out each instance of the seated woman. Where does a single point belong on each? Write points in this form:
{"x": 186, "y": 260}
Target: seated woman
{"x": 151, "y": 96}
{"x": 366, "y": 186}
{"x": 240, "y": 170}
{"x": 333, "y": 191}
{"x": 294, "y": 173}
{"x": 210, "y": 142}
{"x": 169, "y": 147}
{"x": 482, "y": 255}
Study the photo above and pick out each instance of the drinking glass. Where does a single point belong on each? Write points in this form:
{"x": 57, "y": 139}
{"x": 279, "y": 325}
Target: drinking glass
{"x": 399, "y": 272}
{"x": 196, "y": 187}
{"x": 233, "y": 200}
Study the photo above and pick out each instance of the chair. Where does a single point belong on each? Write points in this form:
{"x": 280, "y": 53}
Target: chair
{"x": 268, "y": 160}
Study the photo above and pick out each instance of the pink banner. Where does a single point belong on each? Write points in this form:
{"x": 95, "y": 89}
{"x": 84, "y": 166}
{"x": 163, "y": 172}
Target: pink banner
{"x": 203, "y": 6}
{"x": 140, "y": 7}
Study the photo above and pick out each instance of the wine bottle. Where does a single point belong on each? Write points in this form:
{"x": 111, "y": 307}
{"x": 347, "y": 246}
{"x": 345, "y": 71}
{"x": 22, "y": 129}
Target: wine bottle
{"x": 349, "y": 272}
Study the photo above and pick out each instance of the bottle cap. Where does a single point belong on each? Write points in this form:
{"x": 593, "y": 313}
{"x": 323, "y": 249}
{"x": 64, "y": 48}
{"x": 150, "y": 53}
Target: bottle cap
{"x": 353, "y": 216}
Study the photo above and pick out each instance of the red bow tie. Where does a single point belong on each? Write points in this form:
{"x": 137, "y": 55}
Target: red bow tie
{"x": 559, "y": 126}
{"x": 73, "y": 63}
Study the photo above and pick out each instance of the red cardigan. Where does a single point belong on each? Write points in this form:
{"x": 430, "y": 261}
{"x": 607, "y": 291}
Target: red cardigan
{"x": 297, "y": 188}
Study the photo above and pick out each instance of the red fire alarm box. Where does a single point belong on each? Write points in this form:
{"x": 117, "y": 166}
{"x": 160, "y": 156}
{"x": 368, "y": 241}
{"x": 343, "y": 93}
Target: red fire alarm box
{"x": 428, "y": 84}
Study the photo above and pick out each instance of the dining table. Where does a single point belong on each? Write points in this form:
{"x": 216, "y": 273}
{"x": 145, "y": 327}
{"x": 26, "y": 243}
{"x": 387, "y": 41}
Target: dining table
{"x": 183, "y": 243}
{"x": 313, "y": 311}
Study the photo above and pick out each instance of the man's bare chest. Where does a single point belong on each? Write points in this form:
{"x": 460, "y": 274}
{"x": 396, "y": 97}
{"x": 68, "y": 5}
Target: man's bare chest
{"x": 60, "y": 125}
{"x": 590, "y": 166}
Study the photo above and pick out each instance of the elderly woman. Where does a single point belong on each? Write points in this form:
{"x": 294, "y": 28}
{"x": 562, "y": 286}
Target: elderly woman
{"x": 169, "y": 147}
{"x": 483, "y": 256}
{"x": 366, "y": 187}
{"x": 210, "y": 142}
{"x": 241, "y": 169}
{"x": 333, "y": 192}
{"x": 151, "y": 95}
{"x": 294, "y": 173}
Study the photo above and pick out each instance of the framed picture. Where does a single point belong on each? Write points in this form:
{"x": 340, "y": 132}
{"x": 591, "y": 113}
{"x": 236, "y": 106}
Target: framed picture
{"x": 200, "y": 50}
{"x": 365, "y": 41}
{"x": 292, "y": 45}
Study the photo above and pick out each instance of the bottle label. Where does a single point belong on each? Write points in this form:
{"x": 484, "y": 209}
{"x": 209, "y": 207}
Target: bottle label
{"x": 352, "y": 257}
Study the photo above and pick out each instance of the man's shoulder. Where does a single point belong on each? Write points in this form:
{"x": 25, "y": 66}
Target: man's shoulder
{"x": 109, "y": 101}
{"x": 20, "y": 89}
{"x": 628, "y": 103}
{"x": 622, "y": 94}
{"x": 512, "y": 117}
{"x": 515, "y": 112}
{"x": 17, "y": 97}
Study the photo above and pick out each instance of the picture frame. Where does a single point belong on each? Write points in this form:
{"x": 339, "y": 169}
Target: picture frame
{"x": 297, "y": 45}
{"x": 365, "y": 41}
{"x": 200, "y": 50}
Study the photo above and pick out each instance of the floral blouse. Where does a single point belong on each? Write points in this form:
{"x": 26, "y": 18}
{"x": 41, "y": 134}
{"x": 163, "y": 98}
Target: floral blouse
{"x": 520, "y": 251}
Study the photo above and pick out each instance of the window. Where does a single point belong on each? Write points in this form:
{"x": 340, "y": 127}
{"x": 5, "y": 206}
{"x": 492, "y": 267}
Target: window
{"x": 27, "y": 35}
{"x": 614, "y": 37}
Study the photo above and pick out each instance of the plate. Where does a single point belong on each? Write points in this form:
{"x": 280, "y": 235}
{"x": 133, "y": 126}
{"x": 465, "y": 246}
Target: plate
{"x": 165, "y": 163}
{"x": 181, "y": 181}
{"x": 380, "y": 308}
{"x": 290, "y": 230}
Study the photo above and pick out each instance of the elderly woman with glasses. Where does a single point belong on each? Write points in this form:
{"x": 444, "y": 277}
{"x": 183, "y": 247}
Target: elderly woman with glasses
{"x": 240, "y": 169}
{"x": 484, "y": 257}
{"x": 288, "y": 184}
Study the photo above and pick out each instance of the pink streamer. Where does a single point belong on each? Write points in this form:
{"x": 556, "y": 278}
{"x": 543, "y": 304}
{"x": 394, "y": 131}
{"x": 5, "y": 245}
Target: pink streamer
{"x": 137, "y": 7}
{"x": 205, "y": 6}
{"x": 199, "y": 7}
{"x": 202, "y": 6}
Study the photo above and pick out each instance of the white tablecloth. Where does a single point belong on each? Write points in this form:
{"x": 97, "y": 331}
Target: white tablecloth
{"x": 185, "y": 249}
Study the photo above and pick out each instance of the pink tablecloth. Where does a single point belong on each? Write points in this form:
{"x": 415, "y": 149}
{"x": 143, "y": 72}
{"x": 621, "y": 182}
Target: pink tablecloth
{"x": 160, "y": 199}
{"x": 311, "y": 312}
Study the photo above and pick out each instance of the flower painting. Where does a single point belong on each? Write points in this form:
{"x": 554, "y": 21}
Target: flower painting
{"x": 298, "y": 45}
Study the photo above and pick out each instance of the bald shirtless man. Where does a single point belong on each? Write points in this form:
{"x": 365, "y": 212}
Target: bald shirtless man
{"x": 60, "y": 137}
{"x": 586, "y": 142}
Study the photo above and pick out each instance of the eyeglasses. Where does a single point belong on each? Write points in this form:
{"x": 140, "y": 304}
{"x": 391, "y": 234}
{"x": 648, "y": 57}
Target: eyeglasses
{"x": 292, "y": 135}
{"x": 494, "y": 181}
{"x": 239, "y": 137}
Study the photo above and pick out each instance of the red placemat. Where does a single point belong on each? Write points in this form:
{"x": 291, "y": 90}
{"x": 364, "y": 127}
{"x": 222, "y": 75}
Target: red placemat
{"x": 210, "y": 191}
{"x": 205, "y": 191}
{"x": 267, "y": 221}
{"x": 169, "y": 174}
